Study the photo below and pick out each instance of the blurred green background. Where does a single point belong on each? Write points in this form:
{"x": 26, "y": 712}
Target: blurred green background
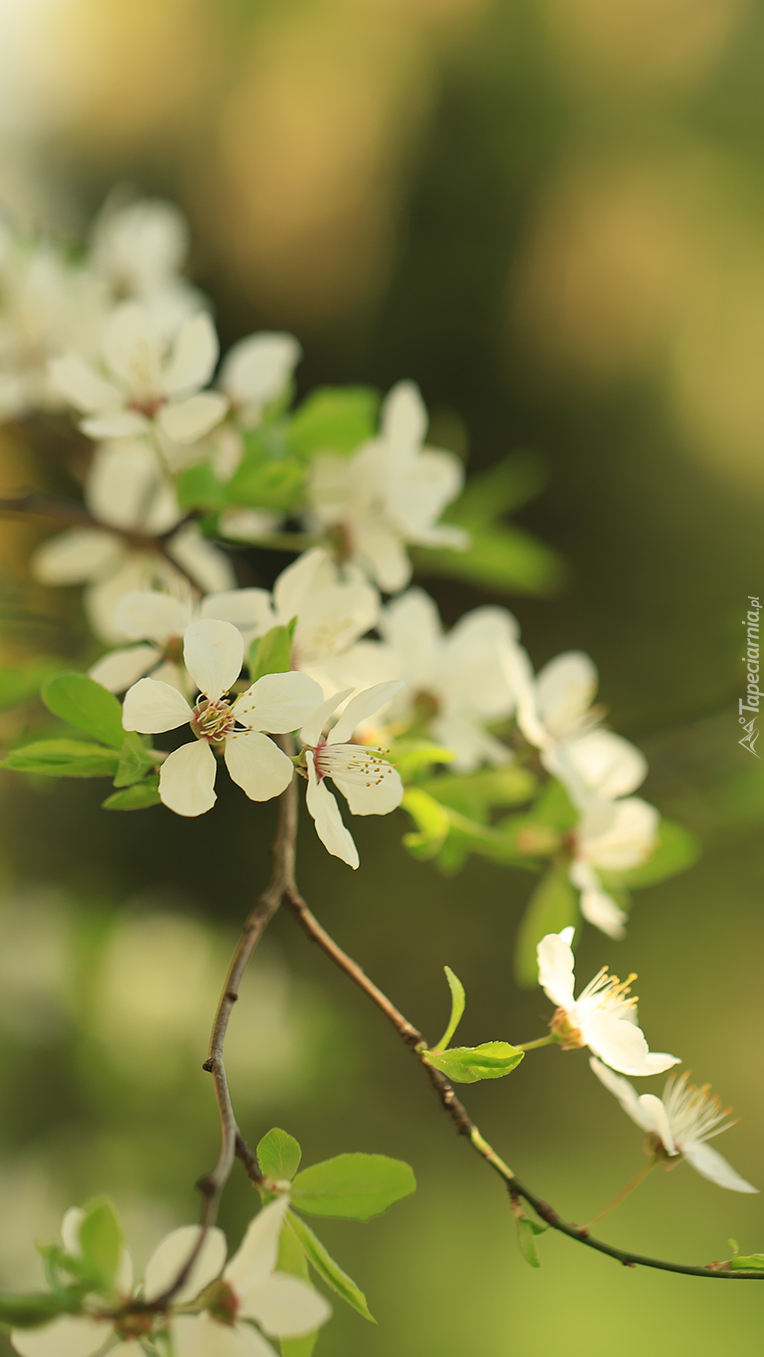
{"x": 551, "y": 216}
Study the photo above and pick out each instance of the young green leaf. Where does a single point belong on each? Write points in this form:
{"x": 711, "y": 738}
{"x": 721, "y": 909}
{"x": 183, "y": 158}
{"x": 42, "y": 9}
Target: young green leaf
{"x": 63, "y": 758}
{"x": 134, "y": 761}
{"x": 28, "y": 1312}
{"x": 470, "y": 1064}
{"x": 291, "y": 1259}
{"x": 527, "y": 1232}
{"x": 272, "y": 653}
{"x": 199, "y": 488}
{"x": 354, "y": 1186}
{"x": 412, "y": 757}
{"x": 101, "y": 1242}
{"x": 476, "y": 794}
{"x": 432, "y": 820}
{"x": 264, "y": 480}
{"x": 333, "y": 419}
{"x": 137, "y": 797}
{"x": 552, "y": 907}
{"x": 279, "y": 1155}
{"x": 326, "y": 1268}
{"x": 458, "y": 1001}
{"x": 752, "y": 1262}
{"x": 82, "y": 702}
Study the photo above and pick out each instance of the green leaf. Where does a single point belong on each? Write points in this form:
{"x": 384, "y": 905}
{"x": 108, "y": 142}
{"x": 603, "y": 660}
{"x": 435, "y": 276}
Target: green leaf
{"x": 138, "y": 797}
{"x": 199, "y": 488}
{"x": 63, "y": 758}
{"x": 501, "y": 489}
{"x": 458, "y": 1001}
{"x": 330, "y": 1271}
{"x": 552, "y": 907}
{"x": 82, "y": 702}
{"x": 354, "y": 1186}
{"x": 333, "y": 419}
{"x": 28, "y": 1312}
{"x": 527, "y": 1233}
{"x": 752, "y": 1262}
{"x": 279, "y": 1155}
{"x": 291, "y": 1259}
{"x": 676, "y": 850}
{"x": 272, "y": 653}
{"x": 433, "y": 823}
{"x": 266, "y": 478}
{"x": 554, "y": 809}
{"x": 477, "y": 794}
{"x": 134, "y": 761}
{"x": 470, "y": 1064}
{"x": 416, "y": 756}
{"x": 101, "y": 1242}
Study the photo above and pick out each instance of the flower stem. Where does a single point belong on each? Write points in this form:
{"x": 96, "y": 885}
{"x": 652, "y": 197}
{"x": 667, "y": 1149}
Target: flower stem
{"x": 643, "y": 1172}
{"x": 549, "y": 1040}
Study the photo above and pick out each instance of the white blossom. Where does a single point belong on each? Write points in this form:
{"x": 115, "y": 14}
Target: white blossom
{"x": 611, "y": 836}
{"x": 158, "y": 621}
{"x": 138, "y": 249}
{"x": 213, "y": 653}
{"x": 603, "y": 1017}
{"x": 369, "y": 783}
{"x": 148, "y": 383}
{"x": 389, "y": 493}
{"x": 456, "y": 682}
{"x": 333, "y": 605}
{"x": 248, "y": 1292}
{"x": 679, "y": 1124}
{"x": 126, "y": 489}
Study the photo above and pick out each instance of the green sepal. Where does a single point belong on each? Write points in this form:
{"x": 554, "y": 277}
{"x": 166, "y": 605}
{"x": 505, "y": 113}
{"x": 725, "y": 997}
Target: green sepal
{"x": 138, "y": 797}
{"x": 63, "y": 758}
{"x": 552, "y": 907}
{"x": 353, "y": 1186}
{"x": 676, "y": 850}
{"x": 100, "y": 1237}
{"x": 328, "y": 1269}
{"x": 279, "y": 1155}
{"x": 272, "y": 653}
{"x": 134, "y": 761}
{"x": 458, "y": 1002}
{"x": 527, "y": 1233}
{"x": 82, "y": 702}
{"x": 470, "y": 1064}
{"x": 333, "y": 419}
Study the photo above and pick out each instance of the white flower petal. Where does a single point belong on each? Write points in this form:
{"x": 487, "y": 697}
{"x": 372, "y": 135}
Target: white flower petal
{"x": 248, "y": 609}
{"x": 625, "y": 1093}
{"x": 256, "y": 1256}
{"x": 121, "y": 424}
{"x": 170, "y": 1255}
{"x": 257, "y": 369}
{"x": 380, "y": 794}
{"x": 187, "y": 778}
{"x": 193, "y": 358}
{"x": 257, "y": 765}
{"x": 127, "y": 487}
{"x": 207, "y": 565}
{"x": 214, "y": 654}
{"x": 76, "y": 555}
{"x": 81, "y": 384}
{"x": 618, "y": 1042}
{"x": 365, "y": 704}
{"x": 404, "y": 416}
{"x": 122, "y": 668}
{"x": 284, "y": 1306}
{"x": 714, "y": 1166}
{"x": 607, "y": 765}
{"x": 278, "y": 702}
{"x": 557, "y": 968}
{"x": 600, "y": 909}
{"x": 330, "y": 829}
{"x": 385, "y": 555}
{"x": 67, "y": 1336}
{"x": 310, "y": 732}
{"x": 151, "y": 707}
{"x": 656, "y": 1062}
{"x": 565, "y": 688}
{"x": 626, "y": 841}
{"x": 654, "y": 1111}
{"x": 151, "y": 615}
{"x": 202, "y": 1336}
{"x": 186, "y": 420}
{"x": 133, "y": 349}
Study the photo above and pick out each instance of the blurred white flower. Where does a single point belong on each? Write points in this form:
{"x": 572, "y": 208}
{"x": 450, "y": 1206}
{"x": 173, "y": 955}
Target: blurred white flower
{"x": 138, "y": 249}
{"x": 333, "y": 605}
{"x": 679, "y": 1124}
{"x": 611, "y": 836}
{"x": 47, "y": 305}
{"x": 158, "y": 620}
{"x": 213, "y": 653}
{"x": 127, "y": 489}
{"x": 389, "y": 493}
{"x": 602, "y": 1017}
{"x": 147, "y": 381}
{"x": 249, "y": 1291}
{"x": 369, "y": 783}
{"x": 456, "y": 682}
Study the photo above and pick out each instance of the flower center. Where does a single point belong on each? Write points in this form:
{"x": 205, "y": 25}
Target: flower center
{"x": 351, "y": 762}
{"x": 426, "y": 707}
{"x": 212, "y": 721}
{"x": 134, "y": 1325}
{"x": 222, "y": 1302}
{"x": 566, "y": 1032}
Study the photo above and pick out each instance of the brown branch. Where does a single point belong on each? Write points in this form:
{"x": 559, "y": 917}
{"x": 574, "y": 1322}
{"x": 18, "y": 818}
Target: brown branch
{"x": 463, "y": 1123}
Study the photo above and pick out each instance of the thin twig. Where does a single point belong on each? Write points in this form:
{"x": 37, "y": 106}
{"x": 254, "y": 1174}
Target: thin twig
{"x": 463, "y": 1123}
